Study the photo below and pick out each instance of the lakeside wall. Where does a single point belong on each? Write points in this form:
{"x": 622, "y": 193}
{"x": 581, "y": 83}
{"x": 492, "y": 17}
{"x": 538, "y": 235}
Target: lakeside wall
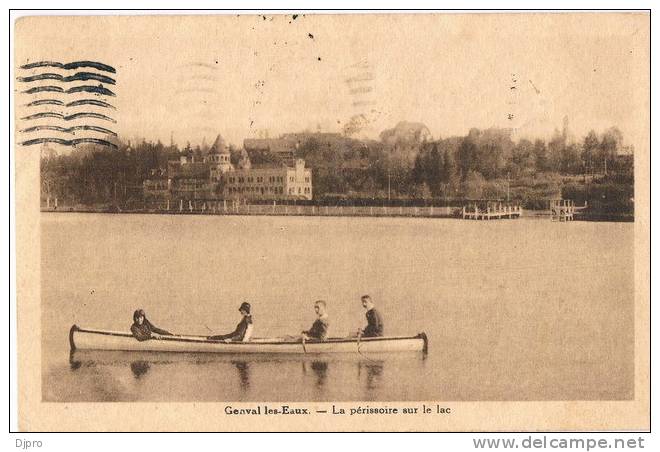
{"x": 219, "y": 208}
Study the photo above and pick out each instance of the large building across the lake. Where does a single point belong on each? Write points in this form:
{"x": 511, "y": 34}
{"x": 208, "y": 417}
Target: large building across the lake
{"x": 270, "y": 182}
{"x": 215, "y": 177}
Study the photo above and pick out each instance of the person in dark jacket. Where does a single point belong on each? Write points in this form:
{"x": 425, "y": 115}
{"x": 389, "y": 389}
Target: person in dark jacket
{"x": 319, "y": 329}
{"x": 243, "y": 330}
{"x": 143, "y": 329}
{"x": 374, "y": 326}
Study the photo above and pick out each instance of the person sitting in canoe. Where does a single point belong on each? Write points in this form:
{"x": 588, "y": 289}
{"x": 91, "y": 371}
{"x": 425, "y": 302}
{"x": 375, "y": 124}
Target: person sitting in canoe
{"x": 374, "y": 326}
{"x": 243, "y": 330}
{"x": 143, "y": 329}
{"x": 319, "y": 329}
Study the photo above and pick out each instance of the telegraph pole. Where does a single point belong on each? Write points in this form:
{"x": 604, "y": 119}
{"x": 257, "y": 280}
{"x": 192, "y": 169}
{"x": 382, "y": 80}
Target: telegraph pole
{"x": 388, "y": 186}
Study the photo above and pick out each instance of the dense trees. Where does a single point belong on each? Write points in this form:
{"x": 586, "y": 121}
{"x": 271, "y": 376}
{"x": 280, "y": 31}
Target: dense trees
{"x": 91, "y": 175}
{"x": 405, "y": 163}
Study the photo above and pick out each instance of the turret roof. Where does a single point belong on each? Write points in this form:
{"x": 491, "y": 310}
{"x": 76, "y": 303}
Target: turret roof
{"x": 219, "y": 146}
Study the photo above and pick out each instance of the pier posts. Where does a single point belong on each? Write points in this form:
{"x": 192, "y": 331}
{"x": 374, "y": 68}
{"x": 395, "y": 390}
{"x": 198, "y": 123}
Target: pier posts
{"x": 492, "y": 211}
{"x": 562, "y": 209}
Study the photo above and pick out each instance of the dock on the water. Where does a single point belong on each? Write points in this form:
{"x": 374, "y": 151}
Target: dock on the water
{"x": 491, "y": 211}
{"x": 562, "y": 209}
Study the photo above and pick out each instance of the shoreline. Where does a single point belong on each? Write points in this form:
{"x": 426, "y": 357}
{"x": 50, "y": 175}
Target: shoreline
{"x": 336, "y": 211}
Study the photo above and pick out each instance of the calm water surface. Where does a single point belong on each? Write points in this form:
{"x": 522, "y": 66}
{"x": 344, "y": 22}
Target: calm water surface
{"x": 514, "y": 310}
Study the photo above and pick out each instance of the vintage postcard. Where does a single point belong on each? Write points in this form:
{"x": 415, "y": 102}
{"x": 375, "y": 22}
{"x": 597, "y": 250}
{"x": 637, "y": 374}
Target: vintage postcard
{"x": 333, "y": 222}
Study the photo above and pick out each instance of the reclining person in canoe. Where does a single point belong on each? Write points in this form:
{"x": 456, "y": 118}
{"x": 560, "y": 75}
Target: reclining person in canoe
{"x": 243, "y": 331}
{"x": 319, "y": 329}
{"x": 374, "y": 326}
{"x": 143, "y": 329}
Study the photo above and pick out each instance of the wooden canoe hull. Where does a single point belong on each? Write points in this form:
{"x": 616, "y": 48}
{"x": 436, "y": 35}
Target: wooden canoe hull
{"x": 91, "y": 339}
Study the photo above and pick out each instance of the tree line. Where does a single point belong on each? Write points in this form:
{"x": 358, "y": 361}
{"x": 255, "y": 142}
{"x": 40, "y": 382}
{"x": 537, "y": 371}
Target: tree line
{"x": 482, "y": 164}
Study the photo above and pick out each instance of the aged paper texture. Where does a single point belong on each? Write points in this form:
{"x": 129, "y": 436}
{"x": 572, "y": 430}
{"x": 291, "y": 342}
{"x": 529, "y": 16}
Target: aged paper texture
{"x": 350, "y": 222}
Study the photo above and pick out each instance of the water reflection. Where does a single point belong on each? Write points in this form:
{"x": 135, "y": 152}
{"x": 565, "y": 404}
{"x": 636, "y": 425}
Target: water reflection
{"x": 73, "y": 362}
{"x": 374, "y": 371}
{"x": 243, "y": 374}
{"x": 320, "y": 369}
{"x": 257, "y": 377}
{"x": 139, "y": 368}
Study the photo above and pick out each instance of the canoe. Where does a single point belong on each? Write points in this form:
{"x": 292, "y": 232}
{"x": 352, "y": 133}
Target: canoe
{"x": 92, "y": 339}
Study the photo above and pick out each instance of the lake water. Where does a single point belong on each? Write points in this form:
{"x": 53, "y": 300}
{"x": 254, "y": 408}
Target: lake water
{"x": 514, "y": 309}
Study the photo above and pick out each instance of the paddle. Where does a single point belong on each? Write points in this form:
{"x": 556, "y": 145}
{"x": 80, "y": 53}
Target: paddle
{"x": 302, "y": 340}
{"x": 359, "y": 336}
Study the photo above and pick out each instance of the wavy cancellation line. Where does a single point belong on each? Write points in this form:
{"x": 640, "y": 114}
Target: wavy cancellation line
{"x": 69, "y": 129}
{"x": 98, "y": 103}
{"x": 74, "y": 142}
{"x": 37, "y": 103}
{"x": 68, "y": 66}
{"x": 76, "y": 89}
{"x": 75, "y": 103}
{"x": 50, "y": 114}
{"x": 78, "y": 76}
{"x": 90, "y": 82}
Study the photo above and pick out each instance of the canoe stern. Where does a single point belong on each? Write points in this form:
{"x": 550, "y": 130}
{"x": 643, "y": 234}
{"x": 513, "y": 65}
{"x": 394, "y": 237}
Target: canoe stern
{"x": 425, "y": 338}
{"x": 72, "y": 343}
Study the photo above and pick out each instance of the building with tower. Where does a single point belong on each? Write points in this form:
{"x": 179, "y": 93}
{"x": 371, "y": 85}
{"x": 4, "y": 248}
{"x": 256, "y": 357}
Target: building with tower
{"x": 219, "y": 159}
{"x": 213, "y": 176}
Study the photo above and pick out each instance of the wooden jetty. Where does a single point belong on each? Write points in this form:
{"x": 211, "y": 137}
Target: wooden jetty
{"x": 564, "y": 209}
{"x": 491, "y": 210}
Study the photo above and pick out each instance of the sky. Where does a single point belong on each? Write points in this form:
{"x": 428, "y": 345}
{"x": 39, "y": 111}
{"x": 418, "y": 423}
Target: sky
{"x": 192, "y": 77}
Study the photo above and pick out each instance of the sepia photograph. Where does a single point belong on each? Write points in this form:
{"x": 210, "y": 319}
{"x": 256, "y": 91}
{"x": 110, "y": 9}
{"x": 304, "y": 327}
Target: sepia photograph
{"x": 408, "y": 217}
